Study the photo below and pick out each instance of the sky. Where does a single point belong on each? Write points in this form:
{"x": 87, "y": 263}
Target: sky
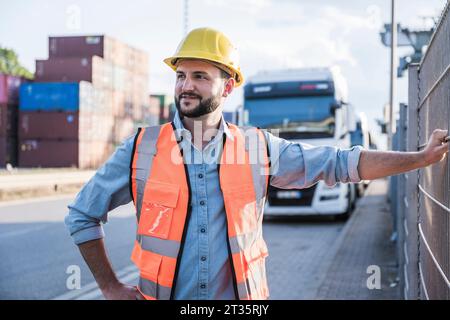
{"x": 269, "y": 34}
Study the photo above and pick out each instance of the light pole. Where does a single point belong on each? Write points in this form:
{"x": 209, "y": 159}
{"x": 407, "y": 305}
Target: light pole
{"x": 186, "y": 16}
{"x": 391, "y": 127}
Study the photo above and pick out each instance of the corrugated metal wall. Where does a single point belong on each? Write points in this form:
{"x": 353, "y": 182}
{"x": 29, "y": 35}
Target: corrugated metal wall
{"x": 422, "y": 210}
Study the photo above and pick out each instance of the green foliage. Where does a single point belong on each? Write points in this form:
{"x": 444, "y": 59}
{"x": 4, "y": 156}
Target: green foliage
{"x": 9, "y": 64}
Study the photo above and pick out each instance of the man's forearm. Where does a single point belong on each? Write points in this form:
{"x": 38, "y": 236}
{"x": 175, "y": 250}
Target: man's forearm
{"x": 379, "y": 164}
{"x": 94, "y": 254}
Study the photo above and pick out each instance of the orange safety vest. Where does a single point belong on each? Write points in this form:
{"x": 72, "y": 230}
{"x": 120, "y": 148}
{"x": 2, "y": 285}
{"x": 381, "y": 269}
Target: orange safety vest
{"x": 160, "y": 188}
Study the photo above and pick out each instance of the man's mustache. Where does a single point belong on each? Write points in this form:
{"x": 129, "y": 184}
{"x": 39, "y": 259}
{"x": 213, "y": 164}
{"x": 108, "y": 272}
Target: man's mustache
{"x": 189, "y": 95}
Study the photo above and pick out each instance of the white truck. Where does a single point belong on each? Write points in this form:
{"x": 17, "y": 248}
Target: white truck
{"x": 305, "y": 105}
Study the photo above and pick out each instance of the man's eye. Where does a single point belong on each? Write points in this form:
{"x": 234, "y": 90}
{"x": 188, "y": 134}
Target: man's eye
{"x": 180, "y": 76}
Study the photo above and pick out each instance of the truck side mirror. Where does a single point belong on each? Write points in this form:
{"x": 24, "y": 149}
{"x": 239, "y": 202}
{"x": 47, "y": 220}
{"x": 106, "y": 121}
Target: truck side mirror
{"x": 333, "y": 108}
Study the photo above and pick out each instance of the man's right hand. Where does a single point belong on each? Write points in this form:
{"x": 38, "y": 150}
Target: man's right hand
{"x": 94, "y": 253}
{"x": 122, "y": 292}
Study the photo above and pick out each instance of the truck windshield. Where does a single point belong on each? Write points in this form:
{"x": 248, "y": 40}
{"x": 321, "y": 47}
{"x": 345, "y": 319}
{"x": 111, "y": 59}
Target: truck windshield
{"x": 298, "y": 114}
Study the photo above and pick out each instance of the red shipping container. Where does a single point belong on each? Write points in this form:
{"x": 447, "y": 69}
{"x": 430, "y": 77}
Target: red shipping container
{"x": 76, "y": 46}
{"x": 75, "y": 69}
{"x": 48, "y": 153}
{"x": 8, "y": 151}
{"x": 64, "y": 153}
{"x": 83, "y": 126}
{"x": 64, "y": 70}
{"x": 106, "y": 47}
{"x": 48, "y": 125}
{"x": 88, "y": 46}
{"x": 3, "y": 151}
{"x": 9, "y": 88}
{"x": 8, "y": 120}
{"x": 3, "y": 89}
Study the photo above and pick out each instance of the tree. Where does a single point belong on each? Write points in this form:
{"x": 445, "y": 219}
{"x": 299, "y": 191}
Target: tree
{"x": 9, "y": 64}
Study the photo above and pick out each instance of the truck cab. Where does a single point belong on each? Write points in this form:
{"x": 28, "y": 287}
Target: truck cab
{"x": 306, "y": 105}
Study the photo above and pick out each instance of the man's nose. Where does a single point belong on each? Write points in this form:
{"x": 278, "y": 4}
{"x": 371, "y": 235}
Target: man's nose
{"x": 188, "y": 84}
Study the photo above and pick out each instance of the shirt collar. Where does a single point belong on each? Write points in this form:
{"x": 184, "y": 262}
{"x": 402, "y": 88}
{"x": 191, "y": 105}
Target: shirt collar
{"x": 223, "y": 127}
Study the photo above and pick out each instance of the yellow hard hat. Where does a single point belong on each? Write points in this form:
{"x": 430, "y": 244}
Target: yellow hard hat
{"x": 210, "y": 45}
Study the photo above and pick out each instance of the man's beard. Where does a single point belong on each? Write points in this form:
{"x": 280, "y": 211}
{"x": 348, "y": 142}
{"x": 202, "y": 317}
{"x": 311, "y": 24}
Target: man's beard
{"x": 204, "y": 106}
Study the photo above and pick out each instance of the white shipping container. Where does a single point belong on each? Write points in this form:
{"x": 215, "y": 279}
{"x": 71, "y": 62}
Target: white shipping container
{"x": 124, "y": 127}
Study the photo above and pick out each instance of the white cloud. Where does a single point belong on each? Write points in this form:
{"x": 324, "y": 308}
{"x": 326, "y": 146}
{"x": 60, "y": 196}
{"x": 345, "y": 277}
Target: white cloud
{"x": 323, "y": 38}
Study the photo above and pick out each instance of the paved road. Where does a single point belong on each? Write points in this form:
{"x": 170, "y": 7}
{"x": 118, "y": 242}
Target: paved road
{"x": 36, "y": 251}
{"x": 300, "y": 253}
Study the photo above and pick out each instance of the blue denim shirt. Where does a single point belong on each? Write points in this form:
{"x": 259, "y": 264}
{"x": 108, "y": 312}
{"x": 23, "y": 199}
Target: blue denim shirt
{"x": 205, "y": 271}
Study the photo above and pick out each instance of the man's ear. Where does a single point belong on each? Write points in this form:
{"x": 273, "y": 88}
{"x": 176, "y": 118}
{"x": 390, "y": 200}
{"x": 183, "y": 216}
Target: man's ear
{"x": 229, "y": 86}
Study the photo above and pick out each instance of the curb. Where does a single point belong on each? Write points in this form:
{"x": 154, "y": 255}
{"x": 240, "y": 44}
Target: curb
{"x": 39, "y": 184}
{"x": 18, "y": 193}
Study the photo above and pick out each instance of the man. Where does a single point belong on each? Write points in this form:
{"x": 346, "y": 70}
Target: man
{"x": 199, "y": 192}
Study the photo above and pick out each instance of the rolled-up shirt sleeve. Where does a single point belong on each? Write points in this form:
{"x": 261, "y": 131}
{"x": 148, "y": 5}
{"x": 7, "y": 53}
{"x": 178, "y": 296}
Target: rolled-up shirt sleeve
{"x": 297, "y": 165}
{"x": 105, "y": 191}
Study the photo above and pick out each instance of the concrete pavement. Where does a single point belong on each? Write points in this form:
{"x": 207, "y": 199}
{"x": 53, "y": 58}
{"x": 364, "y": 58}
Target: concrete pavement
{"x": 364, "y": 252}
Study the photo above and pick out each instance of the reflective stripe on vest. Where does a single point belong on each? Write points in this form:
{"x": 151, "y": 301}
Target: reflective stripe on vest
{"x": 161, "y": 195}
{"x": 145, "y": 150}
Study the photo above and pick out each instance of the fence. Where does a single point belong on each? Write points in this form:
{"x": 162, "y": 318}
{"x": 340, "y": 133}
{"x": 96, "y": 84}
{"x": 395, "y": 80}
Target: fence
{"x": 420, "y": 203}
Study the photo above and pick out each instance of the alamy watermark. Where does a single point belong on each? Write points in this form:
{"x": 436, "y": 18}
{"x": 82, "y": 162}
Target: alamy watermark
{"x": 374, "y": 279}
{"x": 73, "y": 281}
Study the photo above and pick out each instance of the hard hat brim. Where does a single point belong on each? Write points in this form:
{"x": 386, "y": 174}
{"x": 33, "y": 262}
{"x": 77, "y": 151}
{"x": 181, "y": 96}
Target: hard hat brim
{"x": 172, "y": 63}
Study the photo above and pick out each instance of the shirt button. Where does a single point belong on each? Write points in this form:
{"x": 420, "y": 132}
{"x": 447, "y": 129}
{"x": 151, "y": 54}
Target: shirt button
{"x": 200, "y": 175}
{"x": 203, "y": 286}
{"x": 202, "y": 230}
{"x": 202, "y": 203}
{"x": 203, "y": 258}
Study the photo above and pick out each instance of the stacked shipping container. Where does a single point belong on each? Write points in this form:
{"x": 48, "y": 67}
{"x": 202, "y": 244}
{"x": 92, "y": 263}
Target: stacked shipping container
{"x": 87, "y": 96}
{"x": 9, "y": 93}
{"x": 115, "y": 66}
{"x": 162, "y": 107}
{"x": 64, "y": 124}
